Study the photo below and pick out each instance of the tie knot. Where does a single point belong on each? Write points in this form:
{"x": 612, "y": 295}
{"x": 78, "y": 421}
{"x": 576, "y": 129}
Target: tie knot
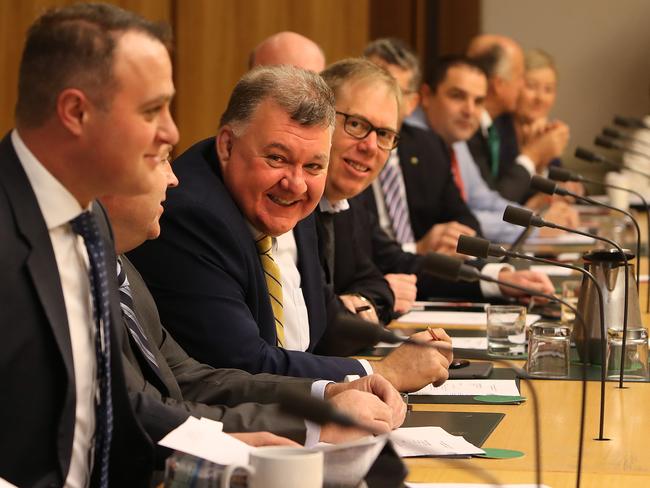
{"x": 264, "y": 244}
{"x": 84, "y": 225}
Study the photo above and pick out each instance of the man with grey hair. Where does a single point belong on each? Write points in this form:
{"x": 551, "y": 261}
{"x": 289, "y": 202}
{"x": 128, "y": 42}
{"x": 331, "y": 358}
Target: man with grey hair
{"x": 288, "y": 48}
{"x": 503, "y": 61}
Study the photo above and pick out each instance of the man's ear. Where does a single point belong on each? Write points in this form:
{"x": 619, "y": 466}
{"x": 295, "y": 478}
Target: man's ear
{"x": 225, "y": 138}
{"x": 72, "y": 108}
{"x": 425, "y": 92}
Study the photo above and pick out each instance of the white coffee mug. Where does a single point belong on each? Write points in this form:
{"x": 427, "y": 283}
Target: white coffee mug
{"x": 618, "y": 198}
{"x": 280, "y": 467}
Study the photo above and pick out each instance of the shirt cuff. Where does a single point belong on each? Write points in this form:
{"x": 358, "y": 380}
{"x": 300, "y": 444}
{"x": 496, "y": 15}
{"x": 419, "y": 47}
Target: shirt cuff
{"x": 366, "y": 365}
{"x": 410, "y": 247}
{"x": 527, "y": 163}
{"x": 489, "y": 289}
{"x": 312, "y": 437}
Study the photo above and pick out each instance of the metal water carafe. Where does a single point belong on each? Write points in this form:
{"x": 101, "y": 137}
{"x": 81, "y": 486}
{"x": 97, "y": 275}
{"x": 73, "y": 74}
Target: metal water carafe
{"x": 607, "y": 266}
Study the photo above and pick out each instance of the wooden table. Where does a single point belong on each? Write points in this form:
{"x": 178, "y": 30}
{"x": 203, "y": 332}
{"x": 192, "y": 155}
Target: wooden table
{"x": 622, "y": 461}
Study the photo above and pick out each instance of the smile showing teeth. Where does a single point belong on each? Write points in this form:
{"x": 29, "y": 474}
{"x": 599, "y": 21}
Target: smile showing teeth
{"x": 357, "y": 166}
{"x": 280, "y": 201}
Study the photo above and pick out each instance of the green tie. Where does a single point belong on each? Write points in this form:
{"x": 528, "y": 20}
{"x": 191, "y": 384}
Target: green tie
{"x": 273, "y": 283}
{"x": 494, "y": 144}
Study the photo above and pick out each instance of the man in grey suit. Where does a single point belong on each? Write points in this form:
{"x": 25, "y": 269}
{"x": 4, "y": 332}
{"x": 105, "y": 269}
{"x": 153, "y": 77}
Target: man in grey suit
{"x": 156, "y": 364}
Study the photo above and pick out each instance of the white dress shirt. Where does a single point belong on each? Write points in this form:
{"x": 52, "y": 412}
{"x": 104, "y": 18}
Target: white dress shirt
{"x": 58, "y": 207}
{"x": 522, "y": 159}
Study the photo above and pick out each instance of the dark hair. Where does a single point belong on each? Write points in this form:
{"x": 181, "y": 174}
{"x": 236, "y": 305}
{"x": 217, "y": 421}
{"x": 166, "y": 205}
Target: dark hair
{"x": 301, "y": 93}
{"x": 73, "y": 46}
{"x": 438, "y": 72}
{"x": 396, "y": 52}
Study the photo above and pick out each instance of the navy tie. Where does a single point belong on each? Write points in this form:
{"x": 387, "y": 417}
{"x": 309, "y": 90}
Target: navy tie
{"x": 85, "y": 226}
{"x": 131, "y": 320}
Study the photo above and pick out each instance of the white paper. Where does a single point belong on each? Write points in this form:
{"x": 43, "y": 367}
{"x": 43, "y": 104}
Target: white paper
{"x": 561, "y": 239}
{"x": 472, "y": 387}
{"x": 346, "y": 464}
{"x": 204, "y": 438}
{"x": 430, "y": 441}
{"x": 5, "y": 484}
{"x": 552, "y": 270}
{"x": 470, "y": 343}
{"x": 471, "y": 485}
{"x": 453, "y": 318}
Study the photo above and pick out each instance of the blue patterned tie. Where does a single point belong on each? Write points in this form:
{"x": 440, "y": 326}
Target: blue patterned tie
{"x": 85, "y": 226}
{"x": 391, "y": 180}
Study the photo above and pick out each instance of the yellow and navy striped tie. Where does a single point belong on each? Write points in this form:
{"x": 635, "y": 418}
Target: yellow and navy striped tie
{"x": 273, "y": 283}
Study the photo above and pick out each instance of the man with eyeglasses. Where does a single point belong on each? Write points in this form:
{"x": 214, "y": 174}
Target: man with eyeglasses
{"x": 242, "y": 285}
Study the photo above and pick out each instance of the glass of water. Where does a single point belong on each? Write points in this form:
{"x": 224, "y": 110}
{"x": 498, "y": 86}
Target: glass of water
{"x": 570, "y": 294}
{"x": 635, "y": 362}
{"x": 506, "y": 330}
{"x": 548, "y": 350}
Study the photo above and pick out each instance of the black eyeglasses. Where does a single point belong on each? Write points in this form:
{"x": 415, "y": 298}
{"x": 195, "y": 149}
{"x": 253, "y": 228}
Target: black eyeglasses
{"x": 359, "y": 128}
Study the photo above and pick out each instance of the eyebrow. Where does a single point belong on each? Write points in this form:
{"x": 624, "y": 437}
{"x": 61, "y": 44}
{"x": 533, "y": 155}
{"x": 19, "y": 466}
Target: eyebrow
{"x": 278, "y": 145}
{"x": 159, "y": 99}
{"x": 358, "y": 116}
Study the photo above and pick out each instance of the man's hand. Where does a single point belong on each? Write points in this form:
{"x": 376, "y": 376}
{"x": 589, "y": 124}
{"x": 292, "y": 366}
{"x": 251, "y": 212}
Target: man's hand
{"x": 560, "y": 213}
{"x": 410, "y": 368}
{"x": 258, "y": 439}
{"x": 529, "y": 279}
{"x": 356, "y": 302}
{"x": 404, "y": 288}
{"x": 378, "y": 386}
{"x": 442, "y": 238}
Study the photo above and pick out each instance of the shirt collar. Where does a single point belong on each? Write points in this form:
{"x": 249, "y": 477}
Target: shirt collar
{"x": 58, "y": 206}
{"x": 486, "y": 122}
{"x": 326, "y": 206}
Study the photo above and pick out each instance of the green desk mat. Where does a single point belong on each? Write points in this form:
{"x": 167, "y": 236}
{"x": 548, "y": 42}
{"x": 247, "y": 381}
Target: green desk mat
{"x": 475, "y": 427}
{"x": 497, "y": 374}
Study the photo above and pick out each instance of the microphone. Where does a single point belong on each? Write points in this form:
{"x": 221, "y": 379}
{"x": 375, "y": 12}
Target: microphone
{"x": 319, "y": 411}
{"x": 591, "y": 157}
{"x": 561, "y": 174}
{"x": 631, "y": 122}
{"x": 609, "y": 144}
{"x": 524, "y": 218}
{"x": 482, "y": 248}
{"x": 550, "y": 187}
{"x": 449, "y": 268}
{"x": 617, "y": 134}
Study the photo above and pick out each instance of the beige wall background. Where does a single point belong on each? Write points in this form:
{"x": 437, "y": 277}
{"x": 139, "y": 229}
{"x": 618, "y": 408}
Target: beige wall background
{"x": 602, "y": 50}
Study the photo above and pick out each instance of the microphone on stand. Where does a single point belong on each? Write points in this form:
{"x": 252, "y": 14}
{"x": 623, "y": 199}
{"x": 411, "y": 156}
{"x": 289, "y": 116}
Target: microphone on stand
{"x": 560, "y": 174}
{"x": 449, "y": 268}
{"x": 482, "y": 248}
{"x": 524, "y": 218}
{"x": 609, "y": 144}
{"x": 592, "y": 157}
{"x": 550, "y": 187}
{"x": 617, "y": 134}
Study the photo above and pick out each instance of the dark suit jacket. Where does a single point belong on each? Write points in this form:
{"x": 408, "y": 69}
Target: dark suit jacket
{"x": 431, "y": 192}
{"x": 513, "y": 180}
{"x": 36, "y": 369}
{"x": 199, "y": 389}
{"x": 205, "y": 275}
{"x": 354, "y": 270}
{"x": 389, "y": 257}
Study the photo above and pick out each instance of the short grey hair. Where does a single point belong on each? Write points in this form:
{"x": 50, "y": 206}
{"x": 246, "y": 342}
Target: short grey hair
{"x": 304, "y": 95}
{"x": 396, "y": 52}
{"x": 538, "y": 59}
{"x": 495, "y": 61}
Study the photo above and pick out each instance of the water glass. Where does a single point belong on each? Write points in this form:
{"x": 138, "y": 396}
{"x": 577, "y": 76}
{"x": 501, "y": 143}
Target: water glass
{"x": 548, "y": 350}
{"x": 635, "y": 362}
{"x": 506, "y": 330}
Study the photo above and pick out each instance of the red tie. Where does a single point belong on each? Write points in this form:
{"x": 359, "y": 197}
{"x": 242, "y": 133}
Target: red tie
{"x": 455, "y": 173}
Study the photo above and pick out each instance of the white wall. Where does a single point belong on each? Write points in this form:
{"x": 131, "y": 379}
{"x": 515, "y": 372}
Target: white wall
{"x": 602, "y": 50}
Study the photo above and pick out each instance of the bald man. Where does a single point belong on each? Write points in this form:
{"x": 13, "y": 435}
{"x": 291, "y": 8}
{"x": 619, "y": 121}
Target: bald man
{"x": 288, "y": 48}
{"x": 493, "y": 147}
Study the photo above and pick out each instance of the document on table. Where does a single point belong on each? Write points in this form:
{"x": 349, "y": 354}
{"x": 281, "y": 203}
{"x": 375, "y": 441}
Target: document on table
{"x": 453, "y": 318}
{"x": 553, "y": 270}
{"x": 469, "y": 343}
{"x": 430, "y": 441}
{"x": 472, "y": 485}
{"x": 561, "y": 239}
{"x": 472, "y": 387}
{"x": 204, "y": 438}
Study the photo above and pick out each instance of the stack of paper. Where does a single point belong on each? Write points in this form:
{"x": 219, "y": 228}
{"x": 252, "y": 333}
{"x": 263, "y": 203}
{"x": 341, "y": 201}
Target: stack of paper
{"x": 472, "y": 387}
{"x": 452, "y": 318}
{"x": 430, "y": 441}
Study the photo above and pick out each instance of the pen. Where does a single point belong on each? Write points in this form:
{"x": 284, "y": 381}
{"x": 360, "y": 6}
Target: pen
{"x": 433, "y": 334}
{"x": 363, "y": 308}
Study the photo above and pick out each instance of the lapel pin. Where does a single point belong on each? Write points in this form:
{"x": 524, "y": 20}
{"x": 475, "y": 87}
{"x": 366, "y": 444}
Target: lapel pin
{"x": 414, "y": 160}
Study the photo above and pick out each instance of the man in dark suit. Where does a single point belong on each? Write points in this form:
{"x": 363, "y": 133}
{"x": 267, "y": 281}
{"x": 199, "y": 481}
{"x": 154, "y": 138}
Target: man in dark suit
{"x": 93, "y": 110}
{"x": 219, "y": 292}
{"x": 504, "y": 169}
{"x": 156, "y": 365}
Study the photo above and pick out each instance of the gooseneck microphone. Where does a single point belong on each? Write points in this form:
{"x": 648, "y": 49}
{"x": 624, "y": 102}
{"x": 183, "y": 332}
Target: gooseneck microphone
{"x": 617, "y": 134}
{"x": 449, "y": 268}
{"x": 482, "y": 248}
{"x": 551, "y": 188}
{"x": 561, "y": 174}
{"x": 610, "y": 144}
{"x": 524, "y": 218}
{"x": 592, "y": 157}
{"x": 631, "y": 122}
